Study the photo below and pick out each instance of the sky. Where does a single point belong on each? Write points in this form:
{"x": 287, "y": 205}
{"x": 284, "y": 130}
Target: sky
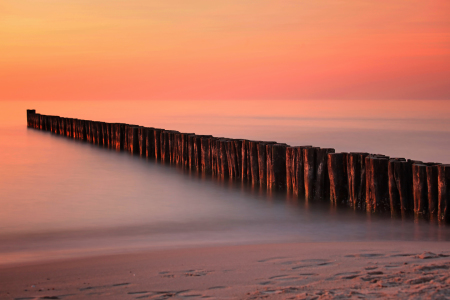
{"x": 224, "y": 49}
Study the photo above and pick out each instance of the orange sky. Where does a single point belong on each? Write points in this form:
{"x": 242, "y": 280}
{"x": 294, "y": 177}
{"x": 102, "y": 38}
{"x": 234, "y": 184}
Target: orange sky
{"x": 224, "y": 49}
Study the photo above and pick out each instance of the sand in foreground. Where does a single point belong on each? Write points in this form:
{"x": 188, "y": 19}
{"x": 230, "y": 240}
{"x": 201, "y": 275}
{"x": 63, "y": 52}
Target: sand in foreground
{"x": 418, "y": 270}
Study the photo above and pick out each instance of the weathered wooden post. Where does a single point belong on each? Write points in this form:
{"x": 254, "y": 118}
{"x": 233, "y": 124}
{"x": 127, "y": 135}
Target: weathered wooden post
{"x": 223, "y": 158}
{"x": 420, "y": 189}
{"x": 68, "y": 127}
{"x": 142, "y": 137}
{"x": 60, "y": 126}
{"x": 197, "y": 151}
{"x": 191, "y": 152}
{"x": 215, "y": 156}
{"x": 55, "y": 124}
{"x": 253, "y": 158}
{"x": 100, "y": 133}
{"x": 150, "y": 143}
{"x": 231, "y": 158}
{"x": 89, "y": 131}
{"x": 172, "y": 145}
{"x": 337, "y": 170}
{"x": 237, "y": 145}
{"x": 133, "y": 140}
{"x": 433, "y": 191}
{"x": 400, "y": 186}
{"x": 185, "y": 148}
{"x": 41, "y": 122}
{"x": 262, "y": 162}
{"x": 105, "y": 135}
{"x": 310, "y": 169}
{"x": 30, "y": 115}
{"x": 178, "y": 148}
{"x": 206, "y": 163}
{"x": 52, "y": 124}
{"x": 245, "y": 171}
{"x": 322, "y": 185}
{"x": 164, "y": 145}
{"x": 291, "y": 165}
{"x": 443, "y": 193}
{"x": 377, "y": 183}
{"x": 157, "y": 142}
{"x": 120, "y": 136}
{"x": 276, "y": 175}
{"x": 356, "y": 174}
{"x": 74, "y": 133}
{"x": 77, "y": 129}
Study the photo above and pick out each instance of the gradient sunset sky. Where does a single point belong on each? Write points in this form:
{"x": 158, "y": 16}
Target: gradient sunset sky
{"x": 224, "y": 49}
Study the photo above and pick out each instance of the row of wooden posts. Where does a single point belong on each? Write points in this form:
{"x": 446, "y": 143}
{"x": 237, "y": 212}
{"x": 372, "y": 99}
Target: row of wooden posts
{"x": 371, "y": 182}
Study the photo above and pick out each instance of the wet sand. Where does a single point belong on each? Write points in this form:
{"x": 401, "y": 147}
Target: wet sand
{"x": 335, "y": 270}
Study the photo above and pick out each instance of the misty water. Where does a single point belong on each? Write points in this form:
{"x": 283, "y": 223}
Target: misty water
{"x": 63, "y": 198}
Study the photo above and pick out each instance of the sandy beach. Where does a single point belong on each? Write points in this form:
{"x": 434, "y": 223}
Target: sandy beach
{"x": 357, "y": 270}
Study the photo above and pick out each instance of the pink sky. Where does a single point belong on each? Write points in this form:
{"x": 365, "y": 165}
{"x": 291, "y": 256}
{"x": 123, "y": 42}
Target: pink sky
{"x": 224, "y": 49}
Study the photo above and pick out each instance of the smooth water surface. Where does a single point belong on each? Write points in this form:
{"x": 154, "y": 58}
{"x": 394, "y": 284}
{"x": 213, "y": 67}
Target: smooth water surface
{"x": 61, "y": 197}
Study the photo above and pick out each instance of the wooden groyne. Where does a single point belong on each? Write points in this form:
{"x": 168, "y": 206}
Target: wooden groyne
{"x": 371, "y": 182}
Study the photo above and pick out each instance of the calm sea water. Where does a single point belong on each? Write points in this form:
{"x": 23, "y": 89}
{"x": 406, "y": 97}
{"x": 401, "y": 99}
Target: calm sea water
{"x": 63, "y": 198}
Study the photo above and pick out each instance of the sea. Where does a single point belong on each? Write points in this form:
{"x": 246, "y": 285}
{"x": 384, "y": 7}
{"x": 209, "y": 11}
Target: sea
{"x": 62, "y": 198}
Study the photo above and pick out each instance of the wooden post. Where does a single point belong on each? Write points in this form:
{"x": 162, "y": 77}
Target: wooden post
{"x": 150, "y": 143}
{"x": 178, "y": 148}
{"x": 105, "y": 135}
{"x": 322, "y": 185}
{"x": 55, "y": 124}
{"x": 223, "y": 158}
{"x": 185, "y": 148}
{"x": 400, "y": 186}
{"x": 420, "y": 189}
{"x": 89, "y": 131}
{"x": 238, "y": 156}
{"x": 120, "y": 136}
{"x": 291, "y": 165}
{"x": 142, "y": 137}
{"x": 197, "y": 151}
{"x": 310, "y": 169}
{"x": 108, "y": 137}
{"x": 245, "y": 172}
{"x": 377, "y": 184}
{"x": 253, "y": 158}
{"x": 133, "y": 140}
{"x": 356, "y": 174}
{"x": 41, "y": 122}
{"x": 206, "y": 162}
{"x": 262, "y": 162}
{"x": 337, "y": 170}
{"x": 74, "y": 132}
{"x": 190, "y": 149}
{"x": 171, "y": 145}
{"x": 276, "y": 177}
{"x": 215, "y": 156}
{"x": 443, "y": 193}
{"x": 433, "y": 192}
{"x": 30, "y": 115}
{"x": 100, "y": 133}
{"x": 231, "y": 158}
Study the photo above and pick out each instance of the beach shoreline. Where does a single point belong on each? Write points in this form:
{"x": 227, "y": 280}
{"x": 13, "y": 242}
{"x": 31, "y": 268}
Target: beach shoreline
{"x": 323, "y": 270}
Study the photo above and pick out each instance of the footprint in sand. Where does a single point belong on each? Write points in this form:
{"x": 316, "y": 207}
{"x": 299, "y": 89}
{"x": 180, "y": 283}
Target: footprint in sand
{"x": 365, "y": 255}
{"x": 402, "y": 255}
{"x": 271, "y": 259}
{"x": 217, "y": 287}
{"x": 196, "y": 273}
{"x": 432, "y": 268}
{"x": 346, "y": 275}
{"x": 429, "y": 255}
{"x": 318, "y": 263}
